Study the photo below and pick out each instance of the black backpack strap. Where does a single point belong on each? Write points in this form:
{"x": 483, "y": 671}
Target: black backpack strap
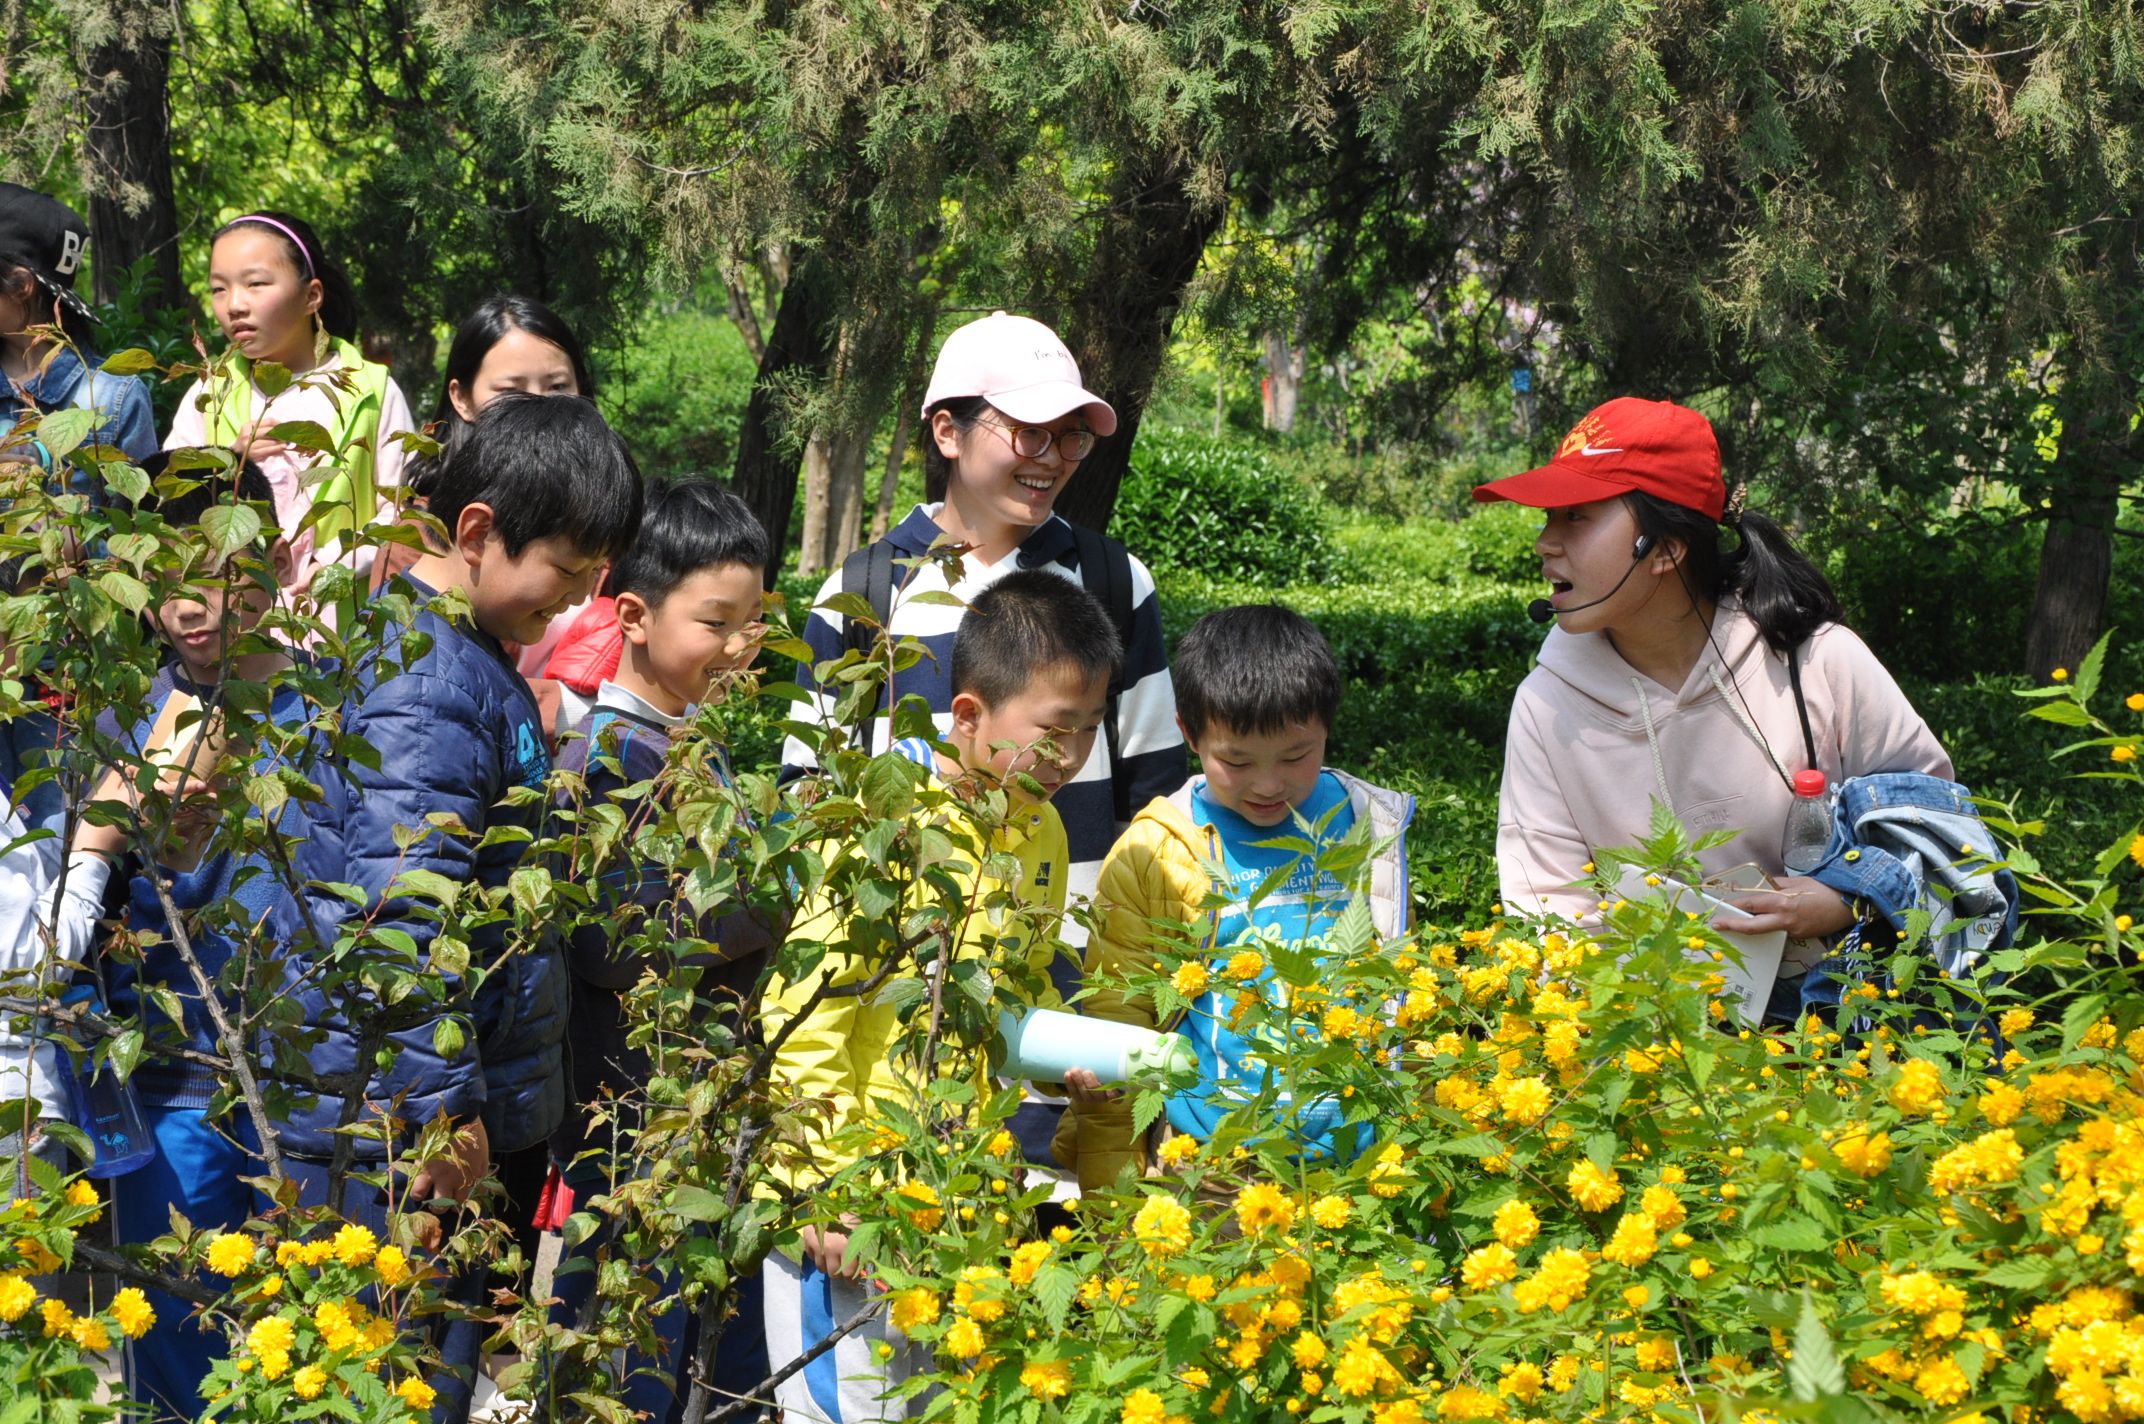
{"x": 869, "y": 572}
{"x": 1801, "y": 704}
{"x": 1105, "y": 570}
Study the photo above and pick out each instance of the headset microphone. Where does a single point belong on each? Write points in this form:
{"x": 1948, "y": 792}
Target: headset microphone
{"x": 1543, "y": 611}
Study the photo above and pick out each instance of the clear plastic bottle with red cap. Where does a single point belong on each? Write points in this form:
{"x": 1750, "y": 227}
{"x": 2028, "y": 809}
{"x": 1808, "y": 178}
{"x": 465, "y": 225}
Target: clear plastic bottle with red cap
{"x": 1808, "y": 823}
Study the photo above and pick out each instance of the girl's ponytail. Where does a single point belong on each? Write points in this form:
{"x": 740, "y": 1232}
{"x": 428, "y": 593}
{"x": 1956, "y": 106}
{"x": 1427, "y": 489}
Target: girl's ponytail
{"x": 338, "y": 299}
{"x": 1786, "y": 594}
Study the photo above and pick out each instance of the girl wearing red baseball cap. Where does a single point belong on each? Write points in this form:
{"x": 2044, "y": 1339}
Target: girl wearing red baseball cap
{"x": 1667, "y": 676}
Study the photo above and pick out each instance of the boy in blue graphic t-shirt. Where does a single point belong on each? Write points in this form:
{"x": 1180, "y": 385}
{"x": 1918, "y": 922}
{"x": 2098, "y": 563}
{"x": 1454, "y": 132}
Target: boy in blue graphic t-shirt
{"x": 1256, "y": 693}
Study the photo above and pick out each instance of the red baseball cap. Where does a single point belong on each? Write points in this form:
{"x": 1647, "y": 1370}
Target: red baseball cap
{"x": 1655, "y": 447}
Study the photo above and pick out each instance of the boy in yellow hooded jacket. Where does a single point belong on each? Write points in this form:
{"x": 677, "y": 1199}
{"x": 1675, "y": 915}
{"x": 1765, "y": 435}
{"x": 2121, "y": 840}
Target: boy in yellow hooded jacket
{"x": 1032, "y": 664}
{"x": 1257, "y": 689}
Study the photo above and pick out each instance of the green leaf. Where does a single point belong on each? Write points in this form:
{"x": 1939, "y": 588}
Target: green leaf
{"x": 1792, "y": 1233}
{"x": 1815, "y": 1372}
{"x": 273, "y": 378}
{"x": 2021, "y": 1273}
{"x": 64, "y": 430}
{"x": 888, "y": 788}
{"x": 2087, "y": 679}
{"x": 697, "y": 1203}
{"x": 130, "y": 362}
{"x": 124, "y": 589}
{"x": 230, "y": 527}
{"x": 2077, "y": 1020}
{"x": 448, "y": 1038}
{"x": 2062, "y": 714}
{"x": 306, "y": 435}
{"x": 267, "y": 794}
{"x": 1055, "y": 1290}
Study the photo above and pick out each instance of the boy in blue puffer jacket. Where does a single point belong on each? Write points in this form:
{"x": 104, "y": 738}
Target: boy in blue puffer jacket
{"x": 541, "y": 496}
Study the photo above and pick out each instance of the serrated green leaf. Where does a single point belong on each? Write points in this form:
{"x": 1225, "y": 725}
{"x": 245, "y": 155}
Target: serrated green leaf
{"x": 2062, "y": 714}
{"x": 2078, "y": 1018}
{"x": 130, "y": 362}
{"x": 888, "y": 787}
{"x": 1792, "y": 1233}
{"x": 1815, "y": 1372}
{"x": 2021, "y": 1273}
{"x": 1055, "y": 1290}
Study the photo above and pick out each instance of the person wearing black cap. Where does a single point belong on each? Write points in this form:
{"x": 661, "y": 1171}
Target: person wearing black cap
{"x": 42, "y": 244}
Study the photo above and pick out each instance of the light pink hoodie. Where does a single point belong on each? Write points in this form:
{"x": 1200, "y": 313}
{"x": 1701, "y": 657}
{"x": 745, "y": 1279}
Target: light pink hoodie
{"x": 1593, "y": 743}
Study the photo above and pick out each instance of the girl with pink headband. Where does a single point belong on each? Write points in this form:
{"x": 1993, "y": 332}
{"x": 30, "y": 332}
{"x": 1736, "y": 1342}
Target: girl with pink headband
{"x": 280, "y": 298}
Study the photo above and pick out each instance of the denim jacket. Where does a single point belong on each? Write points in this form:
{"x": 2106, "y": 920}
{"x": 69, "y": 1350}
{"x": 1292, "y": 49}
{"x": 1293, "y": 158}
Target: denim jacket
{"x": 1905, "y": 841}
{"x": 125, "y": 420}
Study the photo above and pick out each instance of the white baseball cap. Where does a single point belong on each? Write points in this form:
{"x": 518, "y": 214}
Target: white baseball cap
{"x": 1018, "y": 365}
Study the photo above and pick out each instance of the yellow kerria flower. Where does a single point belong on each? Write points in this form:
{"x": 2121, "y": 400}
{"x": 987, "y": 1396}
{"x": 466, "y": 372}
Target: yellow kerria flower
{"x": 1026, "y": 1260}
{"x": 964, "y": 1338}
{"x": 1143, "y": 1406}
{"x": 1918, "y": 1088}
{"x": 1261, "y": 1205}
{"x": 270, "y": 1334}
{"x": 230, "y": 1253}
{"x": 81, "y": 1193}
{"x": 1191, "y": 979}
{"x": 354, "y": 1245}
{"x": 1177, "y": 1151}
{"x": 1047, "y": 1379}
{"x": 915, "y": 1307}
{"x": 89, "y": 1333}
{"x": 2134, "y": 702}
{"x": 1331, "y": 1212}
{"x": 1308, "y": 1351}
{"x": 1002, "y": 1144}
{"x": 133, "y": 1312}
{"x": 415, "y": 1393}
{"x": 927, "y": 1214}
{"x": 57, "y": 1318}
{"x": 17, "y": 1295}
{"x": 1488, "y": 1267}
{"x": 1162, "y": 1227}
{"x": 2124, "y": 752}
{"x": 1516, "y": 1224}
{"x": 2136, "y": 850}
{"x": 391, "y": 1265}
{"x": 308, "y": 1382}
{"x": 1863, "y": 1154}
{"x": 1593, "y": 1188}
{"x": 1245, "y": 964}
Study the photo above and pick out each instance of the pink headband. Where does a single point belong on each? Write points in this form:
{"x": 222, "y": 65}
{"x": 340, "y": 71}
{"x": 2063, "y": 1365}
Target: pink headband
{"x": 282, "y": 228}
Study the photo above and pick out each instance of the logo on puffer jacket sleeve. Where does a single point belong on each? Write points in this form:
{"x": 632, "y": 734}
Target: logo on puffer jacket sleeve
{"x": 531, "y": 762}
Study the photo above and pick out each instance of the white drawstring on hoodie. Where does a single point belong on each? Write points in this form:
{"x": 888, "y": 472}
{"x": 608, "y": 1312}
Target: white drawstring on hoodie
{"x": 1652, "y": 735}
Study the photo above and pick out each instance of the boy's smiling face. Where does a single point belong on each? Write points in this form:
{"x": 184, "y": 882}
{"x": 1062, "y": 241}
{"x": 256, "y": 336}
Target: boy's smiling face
{"x": 514, "y": 597}
{"x": 703, "y": 630}
{"x": 1062, "y": 704}
{"x": 1261, "y": 776}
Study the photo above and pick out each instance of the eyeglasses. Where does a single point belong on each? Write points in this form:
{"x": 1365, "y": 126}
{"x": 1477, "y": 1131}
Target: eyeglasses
{"x": 1029, "y": 441}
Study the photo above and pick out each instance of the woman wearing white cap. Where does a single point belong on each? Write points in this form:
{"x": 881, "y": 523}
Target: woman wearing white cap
{"x": 1006, "y": 424}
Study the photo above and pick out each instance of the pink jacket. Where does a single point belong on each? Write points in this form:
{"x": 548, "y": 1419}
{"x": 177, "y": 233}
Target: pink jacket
{"x": 1592, "y": 744}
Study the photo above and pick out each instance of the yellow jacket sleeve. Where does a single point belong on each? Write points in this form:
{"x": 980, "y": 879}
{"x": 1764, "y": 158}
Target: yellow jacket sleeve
{"x": 816, "y": 1061}
{"x": 1149, "y": 875}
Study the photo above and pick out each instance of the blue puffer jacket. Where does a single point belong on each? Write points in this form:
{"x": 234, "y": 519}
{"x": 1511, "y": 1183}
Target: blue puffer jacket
{"x": 456, "y": 731}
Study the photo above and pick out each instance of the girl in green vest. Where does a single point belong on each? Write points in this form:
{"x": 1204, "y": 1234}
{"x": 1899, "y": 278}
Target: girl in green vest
{"x": 281, "y": 299}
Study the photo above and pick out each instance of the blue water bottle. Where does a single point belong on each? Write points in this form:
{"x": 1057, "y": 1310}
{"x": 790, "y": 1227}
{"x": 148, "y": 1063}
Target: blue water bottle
{"x": 106, "y": 1110}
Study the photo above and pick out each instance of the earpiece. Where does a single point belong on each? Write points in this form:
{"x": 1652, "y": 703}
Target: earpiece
{"x": 1641, "y": 548}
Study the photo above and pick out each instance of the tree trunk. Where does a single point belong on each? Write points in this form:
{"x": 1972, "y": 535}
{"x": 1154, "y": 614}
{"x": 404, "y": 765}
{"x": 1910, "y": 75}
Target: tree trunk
{"x": 799, "y": 347}
{"x": 833, "y": 499}
{"x": 2069, "y": 605}
{"x": 811, "y": 539}
{"x": 1284, "y": 381}
{"x": 1145, "y": 256}
{"x": 132, "y": 213}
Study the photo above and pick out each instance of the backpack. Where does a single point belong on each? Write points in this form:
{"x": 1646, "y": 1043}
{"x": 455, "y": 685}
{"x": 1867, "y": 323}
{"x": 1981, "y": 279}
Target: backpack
{"x": 1105, "y": 570}
{"x": 351, "y": 496}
